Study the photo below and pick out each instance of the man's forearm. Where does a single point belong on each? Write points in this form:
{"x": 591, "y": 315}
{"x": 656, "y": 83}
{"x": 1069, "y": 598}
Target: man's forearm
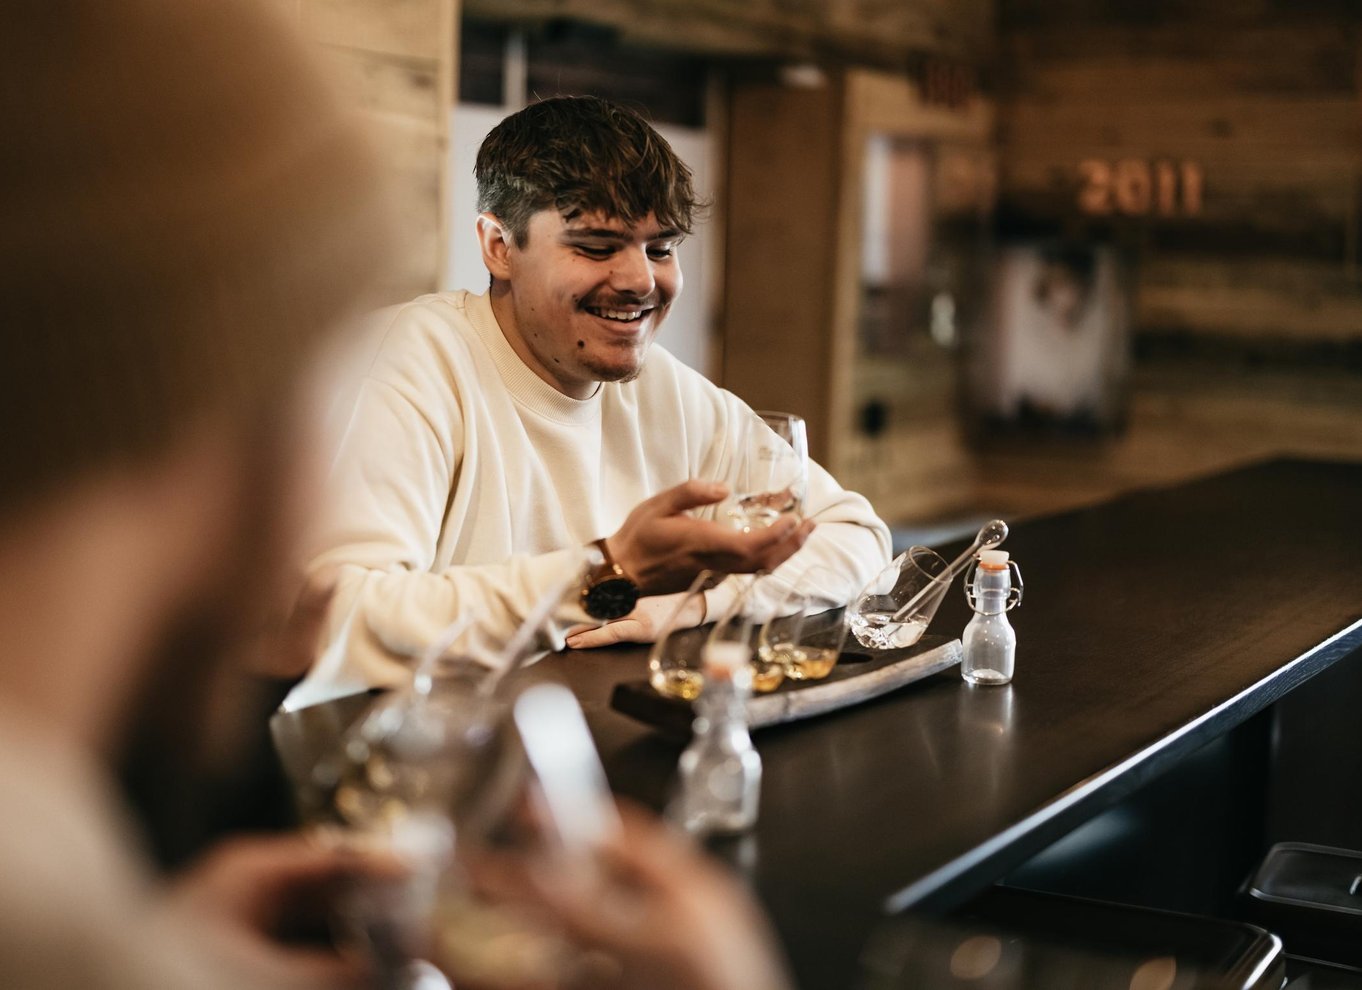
{"x": 398, "y": 612}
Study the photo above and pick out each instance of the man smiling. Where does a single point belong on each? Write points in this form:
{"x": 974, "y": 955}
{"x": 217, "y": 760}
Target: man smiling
{"x": 495, "y": 436}
{"x": 590, "y": 291}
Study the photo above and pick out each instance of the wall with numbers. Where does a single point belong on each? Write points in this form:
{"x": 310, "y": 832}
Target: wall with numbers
{"x": 1218, "y": 145}
{"x": 1221, "y": 141}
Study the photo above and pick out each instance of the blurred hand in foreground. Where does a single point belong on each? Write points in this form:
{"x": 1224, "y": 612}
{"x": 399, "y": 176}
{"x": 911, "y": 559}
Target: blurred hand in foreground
{"x": 268, "y": 901}
{"x": 670, "y": 916}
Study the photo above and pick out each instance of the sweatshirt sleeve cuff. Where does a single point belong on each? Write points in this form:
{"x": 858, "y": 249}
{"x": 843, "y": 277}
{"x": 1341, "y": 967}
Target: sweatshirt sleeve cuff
{"x": 719, "y": 599}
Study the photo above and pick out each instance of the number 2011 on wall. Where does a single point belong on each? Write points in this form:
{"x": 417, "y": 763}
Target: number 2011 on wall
{"x": 1136, "y": 187}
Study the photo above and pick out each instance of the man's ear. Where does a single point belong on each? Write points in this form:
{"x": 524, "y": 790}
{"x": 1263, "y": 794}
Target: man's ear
{"x": 495, "y": 242}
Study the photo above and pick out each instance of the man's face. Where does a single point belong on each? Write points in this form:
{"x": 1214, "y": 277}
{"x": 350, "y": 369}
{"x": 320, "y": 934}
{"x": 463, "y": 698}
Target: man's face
{"x": 588, "y": 295}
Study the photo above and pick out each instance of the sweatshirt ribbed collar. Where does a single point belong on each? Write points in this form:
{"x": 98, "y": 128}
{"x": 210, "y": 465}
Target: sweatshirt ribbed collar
{"x": 527, "y": 388}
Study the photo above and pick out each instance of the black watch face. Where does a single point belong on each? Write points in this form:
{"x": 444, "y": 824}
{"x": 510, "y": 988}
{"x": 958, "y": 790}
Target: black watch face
{"x": 613, "y": 598}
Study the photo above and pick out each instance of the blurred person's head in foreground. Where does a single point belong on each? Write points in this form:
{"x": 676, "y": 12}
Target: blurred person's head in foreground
{"x": 184, "y": 213}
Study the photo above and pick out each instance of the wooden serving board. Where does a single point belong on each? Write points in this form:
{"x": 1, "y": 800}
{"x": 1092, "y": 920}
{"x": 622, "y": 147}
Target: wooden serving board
{"x": 858, "y": 676}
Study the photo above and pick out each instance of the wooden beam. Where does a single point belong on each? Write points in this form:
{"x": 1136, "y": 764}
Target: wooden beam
{"x": 855, "y": 31}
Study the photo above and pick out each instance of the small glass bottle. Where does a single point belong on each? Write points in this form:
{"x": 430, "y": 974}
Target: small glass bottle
{"x": 720, "y": 770}
{"x": 989, "y": 641}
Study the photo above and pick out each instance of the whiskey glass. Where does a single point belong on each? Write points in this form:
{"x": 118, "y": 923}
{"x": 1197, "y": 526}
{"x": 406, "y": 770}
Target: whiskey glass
{"x": 807, "y": 628}
{"x": 675, "y": 667}
{"x": 676, "y": 660}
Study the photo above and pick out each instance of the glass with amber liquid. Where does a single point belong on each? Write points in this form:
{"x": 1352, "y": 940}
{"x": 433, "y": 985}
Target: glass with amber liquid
{"x": 805, "y": 634}
{"x": 676, "y": 661}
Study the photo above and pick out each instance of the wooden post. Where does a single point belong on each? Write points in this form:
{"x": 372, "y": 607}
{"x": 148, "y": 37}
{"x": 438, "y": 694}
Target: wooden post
{"x": 794, "y": 279}
{"x": 781, "y": 248}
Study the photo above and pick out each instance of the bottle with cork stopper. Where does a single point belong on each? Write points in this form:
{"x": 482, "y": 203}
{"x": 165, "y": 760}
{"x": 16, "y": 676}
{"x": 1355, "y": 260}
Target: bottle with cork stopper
{"x": 989, "y": 641}
{"x": 720, "y": 772}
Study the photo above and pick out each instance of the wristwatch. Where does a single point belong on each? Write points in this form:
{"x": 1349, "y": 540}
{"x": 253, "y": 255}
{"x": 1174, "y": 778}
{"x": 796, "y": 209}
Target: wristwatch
{"x": 608, "y": 592}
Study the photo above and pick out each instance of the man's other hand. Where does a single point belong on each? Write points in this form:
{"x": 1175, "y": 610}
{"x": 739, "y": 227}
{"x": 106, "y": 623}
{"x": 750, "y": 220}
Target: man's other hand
{"x": 662, "y": 548}
{"x": 643, "y": 625}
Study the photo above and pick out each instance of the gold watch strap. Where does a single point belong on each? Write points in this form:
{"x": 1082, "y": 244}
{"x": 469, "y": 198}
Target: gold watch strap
{"x": 610, "y": 565}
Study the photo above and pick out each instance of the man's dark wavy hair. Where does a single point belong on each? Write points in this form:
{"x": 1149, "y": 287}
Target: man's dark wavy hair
{"x": 582, "y": 154}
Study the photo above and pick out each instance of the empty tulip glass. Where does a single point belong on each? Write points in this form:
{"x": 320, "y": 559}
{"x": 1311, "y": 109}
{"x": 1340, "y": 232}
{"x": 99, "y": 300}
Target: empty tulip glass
{"x": 773, "y": 472}
{"x": 897, "y": 606}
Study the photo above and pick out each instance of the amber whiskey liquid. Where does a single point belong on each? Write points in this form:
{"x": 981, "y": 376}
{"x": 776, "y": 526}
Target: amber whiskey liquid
{"x": 767, "y": 675}
{"x": 802, "y": 663}
{"x": 678, "y": 682}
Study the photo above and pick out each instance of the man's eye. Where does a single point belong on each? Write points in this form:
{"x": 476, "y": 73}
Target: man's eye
{"x": 662, "y": 252}
{"x": 594, "y": 251}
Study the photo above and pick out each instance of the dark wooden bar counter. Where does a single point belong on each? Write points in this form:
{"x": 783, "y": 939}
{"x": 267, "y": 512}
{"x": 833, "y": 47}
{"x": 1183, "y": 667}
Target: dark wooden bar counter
{"x": 1152, "y": 624}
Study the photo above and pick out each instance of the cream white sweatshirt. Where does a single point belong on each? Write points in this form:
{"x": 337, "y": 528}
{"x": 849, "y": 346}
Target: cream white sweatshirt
{"x": 465, "y": 485}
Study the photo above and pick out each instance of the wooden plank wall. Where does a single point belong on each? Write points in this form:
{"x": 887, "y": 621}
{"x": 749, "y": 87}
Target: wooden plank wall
{"x": 396, "y": 61}
{"x": 1249, "y": 312}
{"x": 1265, "y": 103}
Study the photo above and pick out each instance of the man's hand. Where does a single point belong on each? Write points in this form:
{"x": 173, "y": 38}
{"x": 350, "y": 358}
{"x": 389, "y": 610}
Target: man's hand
{"x": 268, "y": 900}
{"x": 642, "y": 625}
{"x": 662, "y": 548}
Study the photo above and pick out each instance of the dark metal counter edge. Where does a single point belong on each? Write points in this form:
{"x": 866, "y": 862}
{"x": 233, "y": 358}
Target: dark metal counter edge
{"x": 951, "y": 884}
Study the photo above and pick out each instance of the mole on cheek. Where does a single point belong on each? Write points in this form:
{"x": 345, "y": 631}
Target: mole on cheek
{"x": 581, "y": 343}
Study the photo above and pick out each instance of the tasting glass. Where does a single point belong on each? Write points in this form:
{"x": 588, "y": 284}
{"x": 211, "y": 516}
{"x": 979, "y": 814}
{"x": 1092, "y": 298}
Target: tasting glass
{"x": 896, "y": 607}
{"x": 408, "y": 774}
{"x": 734, "y": 631}
{"x": 422, "y": 759}
{"x": 804, "y": 635}
{"x": 428, "y": 763}
{"x": 676, "y": 661}
{"x": 772, "y": 474}
{"x": 422, "y": 751}
{"x": 487, "y": 939}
